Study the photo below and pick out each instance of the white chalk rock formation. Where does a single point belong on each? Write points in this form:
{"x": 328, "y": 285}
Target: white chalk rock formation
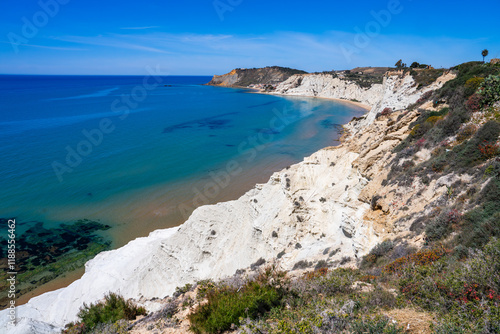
{"x": 398, "y": 91}
{"x": 324, "y": 85}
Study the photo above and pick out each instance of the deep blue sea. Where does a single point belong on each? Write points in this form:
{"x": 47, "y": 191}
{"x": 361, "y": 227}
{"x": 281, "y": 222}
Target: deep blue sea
{"x": 139, "y": 153}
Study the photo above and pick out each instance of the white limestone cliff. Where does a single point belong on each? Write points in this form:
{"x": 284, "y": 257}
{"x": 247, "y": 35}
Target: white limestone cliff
{"x": 398, "y": 91}
{"x": 324, "y": 85}
{"x": 302, "y": 210}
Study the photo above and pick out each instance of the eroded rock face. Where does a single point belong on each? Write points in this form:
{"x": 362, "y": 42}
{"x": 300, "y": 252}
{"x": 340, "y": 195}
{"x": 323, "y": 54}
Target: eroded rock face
{"x": 324, "y": 85}
{"x": 398, "y": 91}
{"x": 318, "y": 204}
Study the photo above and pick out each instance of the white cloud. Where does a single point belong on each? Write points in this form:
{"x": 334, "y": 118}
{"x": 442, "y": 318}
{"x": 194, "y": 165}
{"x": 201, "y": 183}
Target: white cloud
{"x": 112, "y": 41}
{"x": 139, "y": 28}
{"x": 60, "y": 48}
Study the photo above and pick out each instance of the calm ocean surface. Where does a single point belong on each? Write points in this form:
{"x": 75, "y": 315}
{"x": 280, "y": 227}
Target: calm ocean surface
{"x": 139, "y": 155}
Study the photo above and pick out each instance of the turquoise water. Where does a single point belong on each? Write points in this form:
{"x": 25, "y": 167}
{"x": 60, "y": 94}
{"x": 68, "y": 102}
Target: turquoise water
{"x": 137, "y": 155}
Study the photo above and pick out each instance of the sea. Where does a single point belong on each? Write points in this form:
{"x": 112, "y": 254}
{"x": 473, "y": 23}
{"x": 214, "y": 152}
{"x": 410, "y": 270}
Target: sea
{"x": 140, "y": 153}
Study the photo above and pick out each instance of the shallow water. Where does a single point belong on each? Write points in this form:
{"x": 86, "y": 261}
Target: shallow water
{"x": 93, "y": 147}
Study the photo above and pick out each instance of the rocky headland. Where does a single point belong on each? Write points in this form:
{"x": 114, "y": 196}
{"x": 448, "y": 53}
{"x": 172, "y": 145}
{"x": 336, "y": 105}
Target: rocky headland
{"x": 245, "y": 77}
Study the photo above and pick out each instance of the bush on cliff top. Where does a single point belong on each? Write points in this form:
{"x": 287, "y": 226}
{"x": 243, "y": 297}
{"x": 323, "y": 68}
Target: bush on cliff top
{"x": 425, "y": 77}
{"x": 227, "y": 305}
{"x": 112, "y": 309}
{"x": 490, "y": 89}
{"x": 465, "y": 72}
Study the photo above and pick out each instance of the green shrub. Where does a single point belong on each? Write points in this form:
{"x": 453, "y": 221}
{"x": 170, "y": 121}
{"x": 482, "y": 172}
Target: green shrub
{"x": 420, "y": 129}
{"x": 377, "y": 252}
{"x": 376, "y": 325}
{"x": 302, "y": 264}
{"x": 437, "y": 230}
{"x": 421, "y": 258}
{"x": 466, "y": 132}
{"x": 113, "y": 308}
{"x": 465, "y": 72}
{"x": 474, "y": 83}
{"x": 382, "y": 248}
{"x": 118, "y": 327}
{"x": 327, "y": 283}
{"x": 441, "y": 226}
{"x": 321, "y": 264}
{"x": 337, "y": 281}
{"x": 481, "y": 223}
{"x": 426, "y": 77}
{"x": 489, "y": 132}
{"x": 470, "y": 153}
{"x": 442, "y": 112}
{"x": 308, "y": 323}
{"x": 453, "y": 121}
{"x": 381, "y": 298}
{"x": 257, "y": 263}
{"x": 227, "y": 305}
{"x": 444, "y": 327}
{"x": 182, "y": 290}
{"x": 490, "y": 89}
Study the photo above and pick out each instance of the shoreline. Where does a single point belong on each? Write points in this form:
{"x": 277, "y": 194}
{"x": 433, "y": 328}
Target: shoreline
{"x": 356, "y": 103}
{"x": 53, "y": 285}
{"x": 246, "y": 183}
{"x": 262, "y": 91}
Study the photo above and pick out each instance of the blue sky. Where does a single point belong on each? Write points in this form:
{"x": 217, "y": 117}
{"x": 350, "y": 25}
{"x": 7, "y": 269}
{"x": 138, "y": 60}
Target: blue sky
{"x": 205, "y": 37}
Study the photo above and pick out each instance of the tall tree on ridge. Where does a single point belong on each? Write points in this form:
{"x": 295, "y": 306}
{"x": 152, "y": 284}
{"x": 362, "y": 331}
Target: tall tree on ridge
{"x": 484, "y": 53}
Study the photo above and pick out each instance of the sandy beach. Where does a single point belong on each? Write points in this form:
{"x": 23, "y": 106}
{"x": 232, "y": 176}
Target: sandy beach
{"x": 357, "y": 104}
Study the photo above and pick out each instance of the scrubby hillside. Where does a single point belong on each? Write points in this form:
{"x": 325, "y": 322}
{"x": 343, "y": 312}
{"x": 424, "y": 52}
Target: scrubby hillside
{"x": 240, "y": 77}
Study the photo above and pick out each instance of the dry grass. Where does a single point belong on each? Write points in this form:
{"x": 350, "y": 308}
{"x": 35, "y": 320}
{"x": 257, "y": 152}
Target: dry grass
{"x": 414, "y": 321}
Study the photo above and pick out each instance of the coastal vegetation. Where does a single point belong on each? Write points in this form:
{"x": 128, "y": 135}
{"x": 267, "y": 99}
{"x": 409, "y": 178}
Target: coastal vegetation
{"x": 441, "y": 290}
{"x": 226, "y": 304}
{"x": 363, "y": 79}
{"x": 108, "y": 316}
